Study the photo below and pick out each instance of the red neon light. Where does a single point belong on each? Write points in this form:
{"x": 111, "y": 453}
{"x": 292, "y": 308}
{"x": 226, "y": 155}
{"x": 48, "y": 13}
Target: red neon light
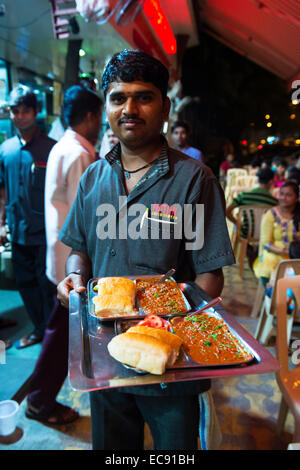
{"x": 159, "y": 23}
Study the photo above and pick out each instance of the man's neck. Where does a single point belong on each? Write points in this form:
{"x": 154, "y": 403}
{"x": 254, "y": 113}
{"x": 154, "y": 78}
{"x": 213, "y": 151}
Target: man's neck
{"x": 81, "y": 130}
{"x": 181, "y": 147}
{"x": 264, "y": 186}
{"x": 132, "y": 158}
{"x": 26, "y": 135}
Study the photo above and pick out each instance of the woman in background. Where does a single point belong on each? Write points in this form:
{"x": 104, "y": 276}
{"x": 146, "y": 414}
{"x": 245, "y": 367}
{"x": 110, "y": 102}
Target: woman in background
{"x": 279, "y": 227}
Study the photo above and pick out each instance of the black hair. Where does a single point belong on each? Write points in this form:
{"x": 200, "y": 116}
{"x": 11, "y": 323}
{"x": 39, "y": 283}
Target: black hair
{"x": 183, "y": 124}
{"x": 129, "y": 66}
{"x": 265, "y": 175}
{"x": 255, "y": 163}
{"x": 293, "y": 174}
{"x": 78, "y": 101}
{"x": 294, "y": 250}
{"x": 296, "y": 215}
{"x": 278, "y": 161}
{"x": 23, "y": 95}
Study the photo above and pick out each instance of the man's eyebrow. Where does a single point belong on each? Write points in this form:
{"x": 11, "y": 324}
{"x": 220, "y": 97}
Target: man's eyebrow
{"x": 117, "y": 94}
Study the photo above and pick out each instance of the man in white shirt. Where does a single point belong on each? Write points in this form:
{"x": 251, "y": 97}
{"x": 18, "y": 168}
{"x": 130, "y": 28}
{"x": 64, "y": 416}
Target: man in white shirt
{"x": 67, "y": 162}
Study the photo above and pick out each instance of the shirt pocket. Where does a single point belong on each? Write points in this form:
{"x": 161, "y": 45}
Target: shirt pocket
{"x": 157, "y": 250}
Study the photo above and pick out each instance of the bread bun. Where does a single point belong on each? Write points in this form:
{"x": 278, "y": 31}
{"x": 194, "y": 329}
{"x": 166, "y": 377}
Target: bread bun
{"x": 168, "y": 338}
{"x": 116, "y": 297}
{"x": 141, "y": 351}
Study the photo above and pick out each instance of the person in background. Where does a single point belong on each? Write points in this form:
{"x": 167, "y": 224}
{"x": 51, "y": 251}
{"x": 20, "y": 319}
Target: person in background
{"x": 279, "y": 168}
{"x": 279, "y": 227}
{"x": 292, "y": 173}
{"x": 108, "y": 142}
{"x": 59, "y": 126}
{"x": 258, "y": 195}
{"x": 255, "y": 165}
{"x": 145, "y": 171}
{"x": 67, "y": 162}
{"x": 225, "y": 166}
{"x": 180, "y": 132}
{"x": 23, "y": 161}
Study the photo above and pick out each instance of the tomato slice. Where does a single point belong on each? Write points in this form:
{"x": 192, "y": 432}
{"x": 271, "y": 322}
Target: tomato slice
{"x": 154, "y": 321}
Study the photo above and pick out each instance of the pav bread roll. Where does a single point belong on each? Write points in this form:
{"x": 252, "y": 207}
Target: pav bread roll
{"x": 116, "y": 297}
{"x": 141, "y": 351}
{"x": 169, "y": 338}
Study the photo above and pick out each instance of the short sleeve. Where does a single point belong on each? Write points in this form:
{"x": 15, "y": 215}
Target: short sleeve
{"x": 238, "y": 200}
{"x": 216, "y": 250}
{"x": 73, "y": 232}
{"x": 75, "y": 172}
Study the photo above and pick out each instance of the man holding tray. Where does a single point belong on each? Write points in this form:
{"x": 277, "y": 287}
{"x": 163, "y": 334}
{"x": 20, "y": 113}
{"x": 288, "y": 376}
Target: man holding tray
{"x": 178, "y": 199}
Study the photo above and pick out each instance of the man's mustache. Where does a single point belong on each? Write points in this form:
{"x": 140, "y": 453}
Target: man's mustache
{"x": 130, "y": 118}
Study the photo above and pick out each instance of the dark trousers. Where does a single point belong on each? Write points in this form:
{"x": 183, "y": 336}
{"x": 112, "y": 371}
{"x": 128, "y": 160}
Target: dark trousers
{"x": 29, "y": 264}
{"x": 118, "y": 421}
{"x": 52, "y": 365}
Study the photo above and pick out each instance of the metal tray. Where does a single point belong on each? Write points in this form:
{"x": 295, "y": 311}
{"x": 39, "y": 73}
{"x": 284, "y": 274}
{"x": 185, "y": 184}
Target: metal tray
{"x": 184, "y": 360}
{"x": 141, "y": 313}
{"x": 92, "y": 368}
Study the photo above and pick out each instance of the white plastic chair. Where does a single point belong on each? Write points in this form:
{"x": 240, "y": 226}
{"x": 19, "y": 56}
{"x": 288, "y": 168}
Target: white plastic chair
{"x": 254, "y": 215}
{"x": 265, "y": 328}
{"x": 288, "y": 377}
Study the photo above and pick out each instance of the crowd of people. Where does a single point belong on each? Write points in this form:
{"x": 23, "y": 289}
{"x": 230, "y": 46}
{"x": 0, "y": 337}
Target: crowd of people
{"x": 278, "y": 187}
{"x": 49, "y": 193}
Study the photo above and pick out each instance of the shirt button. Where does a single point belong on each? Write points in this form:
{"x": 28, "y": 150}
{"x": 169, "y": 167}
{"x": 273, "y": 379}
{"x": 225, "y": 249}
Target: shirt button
{"x": 113, "y": 252}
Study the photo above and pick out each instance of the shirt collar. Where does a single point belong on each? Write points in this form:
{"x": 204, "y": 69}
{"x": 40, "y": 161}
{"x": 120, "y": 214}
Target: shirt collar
{"x": 82, "y": 140}
{"x": 162, "y": 163}
{"x": 35, "y": 135}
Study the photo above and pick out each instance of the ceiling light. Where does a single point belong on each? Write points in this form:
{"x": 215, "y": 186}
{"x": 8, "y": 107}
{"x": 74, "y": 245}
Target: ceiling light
{"x": 82, "y": 52}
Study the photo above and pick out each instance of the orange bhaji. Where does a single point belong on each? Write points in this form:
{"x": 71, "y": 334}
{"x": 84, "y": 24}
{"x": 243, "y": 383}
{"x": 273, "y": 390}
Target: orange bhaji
{"x": 208, "y": 340}
{"x": 165, "y": 298}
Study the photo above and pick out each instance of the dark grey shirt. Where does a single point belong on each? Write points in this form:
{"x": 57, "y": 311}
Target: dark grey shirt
{"x": 173, "y": 181}
{"x": 22, "y": 174}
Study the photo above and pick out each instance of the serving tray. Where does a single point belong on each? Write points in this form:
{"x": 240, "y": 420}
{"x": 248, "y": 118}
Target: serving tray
{"x": 92, "y": 368}
{"x": 91, "y": 293}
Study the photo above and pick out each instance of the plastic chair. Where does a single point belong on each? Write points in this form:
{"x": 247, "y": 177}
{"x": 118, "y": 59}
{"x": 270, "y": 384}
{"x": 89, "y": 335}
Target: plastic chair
{"x": 242, "y": 183}
{"x": 231, "y": 176}
{"x": 288, "y": 379}
{"x": 254, "y": 215}
{"x": 253, "y": 171}
{"x": 265, "y": 329}
{"x": 259, "y": 297}
{"x": 248, "y": 181}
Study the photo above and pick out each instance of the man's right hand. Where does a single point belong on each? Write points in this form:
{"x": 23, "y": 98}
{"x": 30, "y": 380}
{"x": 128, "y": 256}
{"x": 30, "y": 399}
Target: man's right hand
{"x": 3, "y": 235}
{"x": 73, "y": 281}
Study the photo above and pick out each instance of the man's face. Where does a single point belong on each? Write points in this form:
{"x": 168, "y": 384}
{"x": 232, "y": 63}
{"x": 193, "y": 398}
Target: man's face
{"x": 136, "y": 112}
{"x": 111, "y": 138}
{"x": 179, "y": 136}
{"x": 23, "y": 117}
